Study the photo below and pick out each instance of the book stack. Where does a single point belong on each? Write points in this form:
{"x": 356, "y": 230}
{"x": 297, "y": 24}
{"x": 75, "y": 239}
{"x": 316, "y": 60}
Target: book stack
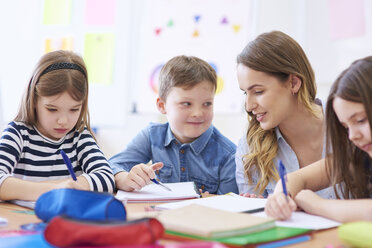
{"x": 206, "y": 222}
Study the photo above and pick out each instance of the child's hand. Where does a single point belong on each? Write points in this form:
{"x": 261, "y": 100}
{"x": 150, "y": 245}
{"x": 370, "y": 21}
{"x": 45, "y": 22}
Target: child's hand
{"x": 279, "y": 206}
{"x": 69, "y": 184}
{"x": 205, "y": 192}
{"x": 251, "y": 195}
{"x": 139, "y": 176}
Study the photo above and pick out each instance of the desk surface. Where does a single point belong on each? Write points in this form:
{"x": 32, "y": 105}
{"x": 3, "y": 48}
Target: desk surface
{"x": 17, "y": 216}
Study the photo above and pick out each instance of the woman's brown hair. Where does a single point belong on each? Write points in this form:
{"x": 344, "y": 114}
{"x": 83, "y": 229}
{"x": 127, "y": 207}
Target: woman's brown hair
{"x": 345, "y": 161}
{"x": 280, "y": 56}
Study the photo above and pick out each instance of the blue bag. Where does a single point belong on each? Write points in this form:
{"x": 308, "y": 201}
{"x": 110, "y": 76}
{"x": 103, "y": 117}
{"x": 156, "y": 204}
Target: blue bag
{"x": 79, "y": 205}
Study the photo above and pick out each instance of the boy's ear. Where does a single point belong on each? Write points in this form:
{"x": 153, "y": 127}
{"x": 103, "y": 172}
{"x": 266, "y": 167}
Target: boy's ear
{"x": 160, "y": 104}
{"x": 296, "y": 83}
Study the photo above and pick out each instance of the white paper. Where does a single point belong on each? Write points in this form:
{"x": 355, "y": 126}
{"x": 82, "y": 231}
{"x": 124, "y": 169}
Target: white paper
{"x": 3, "y": 221}
{"x": 26, "y": 204}
{"x": 154, "y": 192}
{"x": 223, "y": 202}
{"x": 305, "y": 220}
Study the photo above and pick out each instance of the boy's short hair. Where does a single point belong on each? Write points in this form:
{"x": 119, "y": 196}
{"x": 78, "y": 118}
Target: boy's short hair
{"x": 185, "y": 72}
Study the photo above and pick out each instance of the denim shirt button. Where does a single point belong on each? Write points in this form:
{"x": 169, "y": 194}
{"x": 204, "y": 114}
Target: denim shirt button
{"x": 183, "y": 169}
{"x": 182, "y": 151}
{"x": 202, "y": 187}
{"x": 157, "y": 172}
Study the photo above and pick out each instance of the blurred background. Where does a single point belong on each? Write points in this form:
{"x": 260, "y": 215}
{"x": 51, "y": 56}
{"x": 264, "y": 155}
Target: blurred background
{"x": 125, "y": 43}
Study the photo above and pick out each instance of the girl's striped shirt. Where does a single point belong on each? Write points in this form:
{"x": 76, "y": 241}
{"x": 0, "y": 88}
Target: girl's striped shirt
{"x": 27, "y": 154}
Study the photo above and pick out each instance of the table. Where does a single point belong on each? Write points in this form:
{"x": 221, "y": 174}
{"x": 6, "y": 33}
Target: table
{"x": 321, "y": 238}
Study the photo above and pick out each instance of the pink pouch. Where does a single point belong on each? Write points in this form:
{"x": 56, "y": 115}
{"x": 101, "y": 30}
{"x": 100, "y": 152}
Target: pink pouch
{"x": 63, "y": 232}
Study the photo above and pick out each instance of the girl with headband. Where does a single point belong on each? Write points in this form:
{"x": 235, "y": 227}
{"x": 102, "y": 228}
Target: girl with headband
{"x": 53, "y": 116}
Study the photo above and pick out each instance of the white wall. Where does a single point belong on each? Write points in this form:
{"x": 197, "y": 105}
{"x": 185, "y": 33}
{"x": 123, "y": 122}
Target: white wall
{"x": 22, "y": 37}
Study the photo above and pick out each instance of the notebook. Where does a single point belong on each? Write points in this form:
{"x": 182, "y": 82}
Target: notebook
{"x": 155, "y": 193}
{"x": 301, "y": 219}
{"x": 268, "y": 235}
{"x": 26, "y": 204}
{"x": 232, "y": 203}
{"x": 208, "y": 222}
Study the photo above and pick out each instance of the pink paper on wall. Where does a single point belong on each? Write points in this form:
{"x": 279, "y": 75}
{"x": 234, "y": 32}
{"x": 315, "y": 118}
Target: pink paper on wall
{"x": 347, "y": 18}
{"x": 100, "y": 12}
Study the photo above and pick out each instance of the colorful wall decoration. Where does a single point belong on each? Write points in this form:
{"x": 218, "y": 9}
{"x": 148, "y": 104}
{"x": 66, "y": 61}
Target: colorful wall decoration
{"x": 213, "y": 30}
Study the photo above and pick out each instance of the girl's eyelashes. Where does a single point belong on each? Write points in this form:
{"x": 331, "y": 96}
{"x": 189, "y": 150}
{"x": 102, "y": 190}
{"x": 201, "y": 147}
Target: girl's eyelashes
{"x": 54, "y": 109}
{"x": 362, "y": 120}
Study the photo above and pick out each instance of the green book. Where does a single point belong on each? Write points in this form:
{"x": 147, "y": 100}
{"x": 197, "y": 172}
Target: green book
{"x": 269, "y": 235}
{"x": 213, "y": 223}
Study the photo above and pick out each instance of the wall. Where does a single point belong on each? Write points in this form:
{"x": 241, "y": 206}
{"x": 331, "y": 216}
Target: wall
{"x": 311, "y": 22}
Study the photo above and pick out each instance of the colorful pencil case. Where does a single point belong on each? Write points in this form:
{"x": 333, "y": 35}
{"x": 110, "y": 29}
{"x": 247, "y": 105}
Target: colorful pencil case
{"x": 66, "y": 232}
{"x": 79, "y": 204}
{"x": 357, "y": 234}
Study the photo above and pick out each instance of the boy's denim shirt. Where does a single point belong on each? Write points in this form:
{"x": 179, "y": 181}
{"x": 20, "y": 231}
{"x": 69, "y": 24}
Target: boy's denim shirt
{"x": 209, "y": 160}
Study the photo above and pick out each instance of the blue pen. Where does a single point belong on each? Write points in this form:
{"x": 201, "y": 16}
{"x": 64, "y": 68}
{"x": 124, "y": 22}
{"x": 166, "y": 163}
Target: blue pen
{"x": 282, "y": 174}
{"x": 159, "y": 183}
{"x": 68, "y": 164}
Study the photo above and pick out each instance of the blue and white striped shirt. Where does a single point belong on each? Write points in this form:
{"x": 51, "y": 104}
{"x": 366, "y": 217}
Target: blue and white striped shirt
{"x": 28, "y": 155}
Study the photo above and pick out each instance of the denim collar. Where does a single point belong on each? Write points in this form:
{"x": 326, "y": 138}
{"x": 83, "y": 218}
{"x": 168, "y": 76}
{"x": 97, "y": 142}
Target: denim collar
{"x": 197, "y": 145}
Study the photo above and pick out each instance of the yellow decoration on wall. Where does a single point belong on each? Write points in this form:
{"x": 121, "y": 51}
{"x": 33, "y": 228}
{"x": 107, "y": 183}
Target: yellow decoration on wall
{"x": 220, "y": 85}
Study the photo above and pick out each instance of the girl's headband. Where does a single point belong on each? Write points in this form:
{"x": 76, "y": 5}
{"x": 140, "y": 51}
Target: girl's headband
{"x": 63, "y": 65}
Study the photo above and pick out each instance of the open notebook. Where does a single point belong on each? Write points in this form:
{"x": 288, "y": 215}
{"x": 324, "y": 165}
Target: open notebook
{"x": 155, "y": 193}
{"x": 229, "y": 202}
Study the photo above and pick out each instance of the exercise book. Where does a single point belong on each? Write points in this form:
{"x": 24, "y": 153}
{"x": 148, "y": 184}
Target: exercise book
{"x": 212, "y": 223}
{"x": 232, "y": 203}
{"x": 155, "y": 193}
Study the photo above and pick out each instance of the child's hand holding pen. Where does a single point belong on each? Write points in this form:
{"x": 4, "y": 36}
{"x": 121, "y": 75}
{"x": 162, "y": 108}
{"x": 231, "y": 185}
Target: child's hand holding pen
{"x": 70, "y": 183}
{"x": 280, "y": 205}
{"x": 138, "y": 177}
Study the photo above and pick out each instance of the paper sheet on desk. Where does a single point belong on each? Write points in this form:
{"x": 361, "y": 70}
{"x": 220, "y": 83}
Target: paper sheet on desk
{"x": 3, "y": 221}
{"x": 305, "y": 220}
{"x": 26, "y": 204}
{"x": 230, "y": 203}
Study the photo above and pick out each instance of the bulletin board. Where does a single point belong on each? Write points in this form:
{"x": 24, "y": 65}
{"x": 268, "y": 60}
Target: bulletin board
{"x": 213, "y": 30}
{"x": 95, "y": 29}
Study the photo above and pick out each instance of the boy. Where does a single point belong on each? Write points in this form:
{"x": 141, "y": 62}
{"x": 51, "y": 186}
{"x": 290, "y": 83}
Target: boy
{"x": 188, "y": 147}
